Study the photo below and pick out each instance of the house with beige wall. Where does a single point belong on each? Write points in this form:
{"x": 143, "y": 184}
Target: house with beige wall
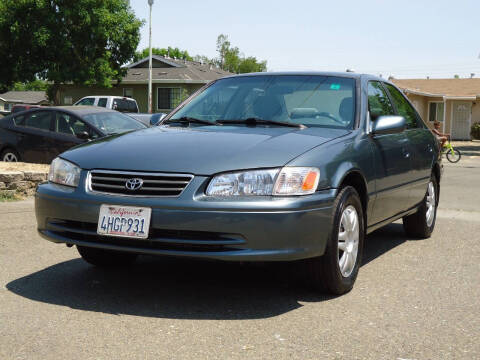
{"x": 10, "y": 98}
{"x": 455, "y": 103}
{"x": 172, "y": 81}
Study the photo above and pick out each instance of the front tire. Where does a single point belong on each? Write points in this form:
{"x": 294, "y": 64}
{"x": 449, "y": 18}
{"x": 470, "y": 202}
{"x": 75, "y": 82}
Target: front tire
{"x": 337, "y": 270}
{"x": 104, "y": 257}
{"x": 421, "y": 224}
{"x": 455, "y": 157}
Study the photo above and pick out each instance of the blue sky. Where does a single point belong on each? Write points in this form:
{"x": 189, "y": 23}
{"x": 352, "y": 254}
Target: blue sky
{"x": 407, "y": 39}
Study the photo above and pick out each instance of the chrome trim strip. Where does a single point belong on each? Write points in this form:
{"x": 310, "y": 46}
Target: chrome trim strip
{"x": 88, "y": 183}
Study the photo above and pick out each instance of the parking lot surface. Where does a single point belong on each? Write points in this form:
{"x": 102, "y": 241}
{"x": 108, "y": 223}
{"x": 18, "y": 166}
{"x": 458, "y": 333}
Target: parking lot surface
{"x": 414, "y": 299}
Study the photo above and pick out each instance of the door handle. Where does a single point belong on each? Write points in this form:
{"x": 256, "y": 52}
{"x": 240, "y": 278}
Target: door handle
{"x": 405, "y": 152}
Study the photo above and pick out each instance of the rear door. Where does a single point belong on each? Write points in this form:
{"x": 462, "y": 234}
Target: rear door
{"x": 421, "y": 142}
{"x": 392, "y": 159}
{"x": 33, "y": 144}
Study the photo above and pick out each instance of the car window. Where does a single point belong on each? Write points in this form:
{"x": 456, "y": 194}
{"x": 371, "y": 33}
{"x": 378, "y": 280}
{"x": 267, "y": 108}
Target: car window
{"x": 403, "y": 107}
{"x": 102, "y": 102}
{"x": 124, "y": 105}
{"x": 113, "y": 122}
{"x": 312, "y": 100}
{"x": 18, "y": 109}
{"x": 86, "y": 101}
{"x": 71, "y": 125}
{"x": 19, "y": 120}
{"x": 39, "y": 120}
{"x": 378, "y": 102}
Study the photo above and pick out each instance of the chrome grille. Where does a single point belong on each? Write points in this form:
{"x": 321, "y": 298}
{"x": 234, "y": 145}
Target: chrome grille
{"x": 154, "y": 184}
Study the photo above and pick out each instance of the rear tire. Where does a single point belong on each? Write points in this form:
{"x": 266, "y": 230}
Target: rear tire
{"x": 9, "y": 155}
{"x": 104, "y": 257}
{"x": 421, "y": 224}
{"x": 336, "y": 271}
{"x": 455, "y": 157}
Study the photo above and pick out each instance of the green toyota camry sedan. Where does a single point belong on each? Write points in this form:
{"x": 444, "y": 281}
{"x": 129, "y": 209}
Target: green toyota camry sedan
{"x": 256, "y": 167}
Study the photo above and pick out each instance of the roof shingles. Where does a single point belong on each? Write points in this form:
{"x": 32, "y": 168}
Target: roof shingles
{"x": 441, "y": 87}
{"x": 26, "y": 97}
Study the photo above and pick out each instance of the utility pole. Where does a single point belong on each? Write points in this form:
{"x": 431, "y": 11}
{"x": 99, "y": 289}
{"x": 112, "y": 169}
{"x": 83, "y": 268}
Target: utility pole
{"x": 150, "y": 3}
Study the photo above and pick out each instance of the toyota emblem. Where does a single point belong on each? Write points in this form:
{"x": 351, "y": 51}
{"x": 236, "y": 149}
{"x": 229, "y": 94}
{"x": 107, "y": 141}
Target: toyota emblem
{"x": 134, "y": 184}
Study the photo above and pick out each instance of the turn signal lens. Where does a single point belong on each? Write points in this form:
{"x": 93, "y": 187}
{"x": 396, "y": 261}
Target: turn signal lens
{"x": 310, "y": 181}
{"x": 297, "y": 181}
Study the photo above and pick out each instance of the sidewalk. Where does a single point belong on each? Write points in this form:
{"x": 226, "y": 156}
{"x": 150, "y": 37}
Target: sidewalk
{"x": 468, "y": 148}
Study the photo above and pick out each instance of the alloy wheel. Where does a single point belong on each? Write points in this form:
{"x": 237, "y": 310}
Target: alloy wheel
{"x": 430, "y": 214}
{"x": 348, "y": 240}
{"x": 10, "y": 157}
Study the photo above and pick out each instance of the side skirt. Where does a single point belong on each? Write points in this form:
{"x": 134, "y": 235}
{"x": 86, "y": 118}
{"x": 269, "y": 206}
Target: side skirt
{"x": 382, "y": 223}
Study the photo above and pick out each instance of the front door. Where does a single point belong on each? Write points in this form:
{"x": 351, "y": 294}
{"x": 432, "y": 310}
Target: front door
{"x": 461, "y": 119}
{"x": 392, "y": 160}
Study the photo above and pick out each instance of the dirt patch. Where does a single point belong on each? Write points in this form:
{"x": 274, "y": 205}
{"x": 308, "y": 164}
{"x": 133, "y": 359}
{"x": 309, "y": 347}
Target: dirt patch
{"x": 19, "y": 166}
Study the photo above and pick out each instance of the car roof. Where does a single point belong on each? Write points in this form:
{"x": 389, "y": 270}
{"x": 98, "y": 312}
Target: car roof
{"x": 352, "y": 75}
{"x": 80, "y": 110}
{"x": 108, "y": 96}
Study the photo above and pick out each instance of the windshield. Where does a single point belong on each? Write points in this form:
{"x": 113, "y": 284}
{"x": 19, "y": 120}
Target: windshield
{"x": 113, "y": 122}
{"x": 311, "y": 100}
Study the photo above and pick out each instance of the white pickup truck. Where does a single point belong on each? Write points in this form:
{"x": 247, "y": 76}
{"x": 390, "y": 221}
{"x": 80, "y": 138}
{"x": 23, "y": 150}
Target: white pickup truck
{"x": 119, "y": 103}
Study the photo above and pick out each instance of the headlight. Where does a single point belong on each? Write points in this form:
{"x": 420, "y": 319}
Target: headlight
{"x": 283, "y": 181}
{"x": 64, "y": 172}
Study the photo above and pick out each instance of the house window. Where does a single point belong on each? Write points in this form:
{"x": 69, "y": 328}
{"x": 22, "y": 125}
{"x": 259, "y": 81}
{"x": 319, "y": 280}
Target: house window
{"x": 67, "y": 100}
{"x": 128, "y": 92}
{"x": 7, "y": 107}
{"x": 168, "y": 98}
{"x": 436, "y": 111}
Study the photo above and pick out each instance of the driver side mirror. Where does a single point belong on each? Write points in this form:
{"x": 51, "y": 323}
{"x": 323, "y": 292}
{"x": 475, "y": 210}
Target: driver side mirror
{"x": 83, "y": 135}
{"x": 390, "y": 124}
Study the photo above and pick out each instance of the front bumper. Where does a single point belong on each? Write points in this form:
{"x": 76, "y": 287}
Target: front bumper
{"x": 194, "y": 225}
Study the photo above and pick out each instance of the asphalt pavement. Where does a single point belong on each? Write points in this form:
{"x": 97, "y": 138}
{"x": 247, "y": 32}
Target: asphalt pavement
{"x": 414, "y": 299}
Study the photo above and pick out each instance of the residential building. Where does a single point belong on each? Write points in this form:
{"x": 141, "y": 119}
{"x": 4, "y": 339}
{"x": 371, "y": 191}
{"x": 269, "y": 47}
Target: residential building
{"x": 173, "y": 80}
{"x": 455, "y": 103}
{"x": 10, "y": 98}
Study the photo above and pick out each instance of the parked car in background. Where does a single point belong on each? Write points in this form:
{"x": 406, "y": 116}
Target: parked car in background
{"x": 148, "y": 119}
{"x": 22, "y": 107}
{"x": 255, "y": 167}
{"x": 39, "y": 135}
{"x": 119, "y": 103}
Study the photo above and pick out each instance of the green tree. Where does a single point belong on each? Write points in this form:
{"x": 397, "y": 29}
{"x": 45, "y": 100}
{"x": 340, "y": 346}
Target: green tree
{"x": 230, "y": 58}
{"x": 170, "y": 51}
{"x": 77, "y": 41}
{"x": 35, "y": 85}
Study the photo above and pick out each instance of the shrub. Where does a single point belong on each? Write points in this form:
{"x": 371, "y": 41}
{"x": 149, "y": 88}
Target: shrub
{"x": 475, "y": 131}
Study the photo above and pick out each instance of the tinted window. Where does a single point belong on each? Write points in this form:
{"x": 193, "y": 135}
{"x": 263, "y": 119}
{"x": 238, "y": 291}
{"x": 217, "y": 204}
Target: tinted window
{"x": 312, "y": 100}
{"x": 71, "y": 125}
{"x": 19, "y": 120}
{"x": 124, "y": 105}
{"x": 18, "y": 109}
{"x": 39, "y": 120}
{"x": 403, "y": 107}
{"x": 378, "y": 102}
{"x": 86, "y": 101}
{"x": 102, "y": 102}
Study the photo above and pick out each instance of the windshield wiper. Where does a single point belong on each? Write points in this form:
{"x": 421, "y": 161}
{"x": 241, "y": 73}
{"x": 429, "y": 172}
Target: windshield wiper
{"x": 189, "y": 120}
{"x": 256, "y": 121}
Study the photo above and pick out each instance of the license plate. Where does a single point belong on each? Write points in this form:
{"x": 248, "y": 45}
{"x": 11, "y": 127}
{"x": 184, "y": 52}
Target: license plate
{"x": 124, "y": 221}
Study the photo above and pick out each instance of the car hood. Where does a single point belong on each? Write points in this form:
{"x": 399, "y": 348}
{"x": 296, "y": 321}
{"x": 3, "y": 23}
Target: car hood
{"x": 202, "y": 150}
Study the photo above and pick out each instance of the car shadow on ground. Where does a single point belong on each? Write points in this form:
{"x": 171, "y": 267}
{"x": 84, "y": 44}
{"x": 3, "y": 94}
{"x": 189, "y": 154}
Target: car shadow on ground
{"x": 185, "y": 289}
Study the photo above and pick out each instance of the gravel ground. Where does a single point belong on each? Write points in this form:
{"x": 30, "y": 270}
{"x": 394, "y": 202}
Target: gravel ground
{"x": 20, "y": 166}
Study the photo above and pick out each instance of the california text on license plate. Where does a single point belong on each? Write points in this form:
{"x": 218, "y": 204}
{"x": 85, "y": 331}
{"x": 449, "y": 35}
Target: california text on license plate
{"x": 124, "y": 221}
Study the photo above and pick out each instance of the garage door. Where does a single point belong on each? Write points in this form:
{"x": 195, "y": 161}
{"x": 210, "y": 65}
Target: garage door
{"x": 461, "y": 116}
